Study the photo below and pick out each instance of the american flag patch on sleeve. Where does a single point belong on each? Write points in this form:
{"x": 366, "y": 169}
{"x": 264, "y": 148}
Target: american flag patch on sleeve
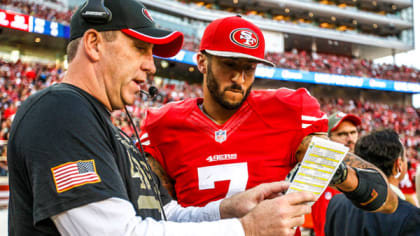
{"x": 73, "y": 174}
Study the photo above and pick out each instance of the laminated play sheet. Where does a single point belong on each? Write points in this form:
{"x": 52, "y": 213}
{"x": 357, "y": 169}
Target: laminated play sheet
{"x": 318, "y": 166}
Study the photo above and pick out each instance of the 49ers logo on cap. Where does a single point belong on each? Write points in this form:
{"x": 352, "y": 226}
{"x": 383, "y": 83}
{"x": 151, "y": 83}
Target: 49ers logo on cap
{"x": 245, "y": 38}
{"x": 147, "y": 14}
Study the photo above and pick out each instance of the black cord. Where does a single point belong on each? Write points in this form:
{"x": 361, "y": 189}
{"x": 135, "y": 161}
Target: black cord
{"x": 143, "y": 156}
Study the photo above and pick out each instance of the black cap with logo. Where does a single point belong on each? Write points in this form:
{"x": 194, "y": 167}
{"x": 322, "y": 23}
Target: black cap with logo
{"x": 129, "y": 16}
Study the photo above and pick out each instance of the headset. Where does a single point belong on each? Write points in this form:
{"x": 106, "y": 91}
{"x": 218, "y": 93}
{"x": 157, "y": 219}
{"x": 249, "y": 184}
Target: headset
{"x": 94, "y": 11}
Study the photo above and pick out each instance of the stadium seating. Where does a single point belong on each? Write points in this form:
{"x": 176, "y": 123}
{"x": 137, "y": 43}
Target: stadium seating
{"x": 306, "y": 61}
{"x": 330, "y": 63}
{"x": 334, "y": 64}
{"x": 51, "y": 10}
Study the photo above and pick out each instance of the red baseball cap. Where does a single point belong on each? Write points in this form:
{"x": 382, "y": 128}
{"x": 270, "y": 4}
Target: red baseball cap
{"x": 234, "y": 37}
{"x": 335, "y": 120}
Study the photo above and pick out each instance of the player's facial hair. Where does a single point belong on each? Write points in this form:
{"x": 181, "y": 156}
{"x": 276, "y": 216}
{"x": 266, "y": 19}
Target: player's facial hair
{"x": 213, "y": 86}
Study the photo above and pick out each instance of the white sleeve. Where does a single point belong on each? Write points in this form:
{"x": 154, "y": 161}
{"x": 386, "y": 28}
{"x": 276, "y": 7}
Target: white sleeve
{"x": 115, "y": 216}
{"x": 175, "y": 212}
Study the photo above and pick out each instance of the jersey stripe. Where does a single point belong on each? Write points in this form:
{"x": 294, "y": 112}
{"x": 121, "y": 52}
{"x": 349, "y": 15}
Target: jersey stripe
{"x": 313, "y": 118}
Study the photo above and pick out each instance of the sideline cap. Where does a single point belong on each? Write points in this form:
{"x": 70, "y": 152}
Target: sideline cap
{"x": 133, "y": 19}
{"x": 234, "y": 37}
{"x": 335, "y": 120}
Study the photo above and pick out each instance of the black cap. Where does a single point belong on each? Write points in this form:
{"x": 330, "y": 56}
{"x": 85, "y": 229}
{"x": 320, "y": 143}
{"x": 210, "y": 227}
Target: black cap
{"x": 129, "y": 16}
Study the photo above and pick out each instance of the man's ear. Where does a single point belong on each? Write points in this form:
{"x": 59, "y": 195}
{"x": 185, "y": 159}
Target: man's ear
{"x": 202, "y": 61}
{"x": 91, "y": 40}
{"x": 397, "y": 166}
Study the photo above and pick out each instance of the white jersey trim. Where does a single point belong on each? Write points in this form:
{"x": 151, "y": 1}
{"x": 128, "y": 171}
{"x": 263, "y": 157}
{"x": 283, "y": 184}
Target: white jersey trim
{"x": 147, "y": 143}
{"x": 144, "y": 136}
{"x": 304, "y": 126}
{"x": 144, "y": 139}
{"x": 313, "y": 118}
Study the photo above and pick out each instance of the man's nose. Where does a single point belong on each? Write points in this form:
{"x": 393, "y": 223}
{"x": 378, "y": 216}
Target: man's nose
{"x": 239, "y": 76}
{"x": 148, "y": 65}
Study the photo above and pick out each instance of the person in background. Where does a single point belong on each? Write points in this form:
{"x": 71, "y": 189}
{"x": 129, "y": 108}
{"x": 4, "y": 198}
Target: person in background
{"x": 342, "y": 128}
{"x": 4, "y": 169}
{"x": 417, "y": 182}
{"x": 407, "y": 184}
{"x": 384, "y": 149}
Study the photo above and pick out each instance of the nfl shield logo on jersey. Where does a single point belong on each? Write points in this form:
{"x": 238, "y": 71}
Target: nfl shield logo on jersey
{"x": 220, "y": 136}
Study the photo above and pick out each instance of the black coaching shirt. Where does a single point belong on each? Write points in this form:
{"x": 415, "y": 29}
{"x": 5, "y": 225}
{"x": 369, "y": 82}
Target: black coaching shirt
{"x": 344, "y": 219}
{"x": 63, "y": 153}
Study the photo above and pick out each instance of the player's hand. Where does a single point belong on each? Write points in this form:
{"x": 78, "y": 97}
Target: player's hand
{"x": 240, "y": 204}
{"x": 278, "y": 216}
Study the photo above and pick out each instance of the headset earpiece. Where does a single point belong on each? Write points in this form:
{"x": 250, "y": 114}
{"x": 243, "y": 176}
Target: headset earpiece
{"x": 94, "y": 11}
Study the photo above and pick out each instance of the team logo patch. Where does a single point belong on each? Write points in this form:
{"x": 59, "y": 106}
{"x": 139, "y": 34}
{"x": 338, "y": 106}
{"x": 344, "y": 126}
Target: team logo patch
{"x": 328, "y": 195}
{"x": 220, "y": 136}
{"x": 147, "y": 14}
{"x": 340, "y": 115}
{"x": 373, "y": 196}
{"x": 245, "y": 38}
{"x": 74, "y": 174}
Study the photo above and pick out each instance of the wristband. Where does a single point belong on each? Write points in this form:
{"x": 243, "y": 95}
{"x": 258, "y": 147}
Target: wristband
{"x": 371, "y": 192}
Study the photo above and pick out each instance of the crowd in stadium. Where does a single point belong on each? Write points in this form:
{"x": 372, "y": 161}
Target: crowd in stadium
{"x": 335, "y": 64}
{"x": 19, "y": 80}
{"x": 404, "y": 120}
{"x": 59, "y": 14}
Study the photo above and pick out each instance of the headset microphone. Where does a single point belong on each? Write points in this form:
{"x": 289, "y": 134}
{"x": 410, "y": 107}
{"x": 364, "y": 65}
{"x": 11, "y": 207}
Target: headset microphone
{"x": 153, "y": 91}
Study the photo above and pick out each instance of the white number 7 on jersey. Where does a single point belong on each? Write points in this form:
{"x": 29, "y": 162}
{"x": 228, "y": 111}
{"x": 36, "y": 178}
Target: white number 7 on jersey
{"x": 237, "y": 173}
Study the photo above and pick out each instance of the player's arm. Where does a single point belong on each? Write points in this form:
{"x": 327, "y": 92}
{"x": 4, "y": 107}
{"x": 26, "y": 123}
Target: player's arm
{"x": 362, "y": 182}
{"x": 166, "y": 181}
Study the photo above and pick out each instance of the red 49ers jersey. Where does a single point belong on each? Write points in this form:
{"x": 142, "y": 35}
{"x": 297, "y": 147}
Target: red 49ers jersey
{"x": 257, "y": 144}
{"x": 407, "y": 185}
{"x": 319, "y": 210}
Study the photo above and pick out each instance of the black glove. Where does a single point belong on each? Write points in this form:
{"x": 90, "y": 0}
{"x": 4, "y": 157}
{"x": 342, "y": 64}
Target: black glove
{"x": 340, "y": 175}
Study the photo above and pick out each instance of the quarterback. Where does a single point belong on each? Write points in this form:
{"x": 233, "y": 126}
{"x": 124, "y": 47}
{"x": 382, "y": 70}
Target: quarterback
{"x": 232, "y": 139}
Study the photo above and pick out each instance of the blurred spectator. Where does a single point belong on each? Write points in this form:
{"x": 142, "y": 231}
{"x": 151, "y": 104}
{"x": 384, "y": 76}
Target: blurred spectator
{"x": 60, "y": 13}
{"x": 3, "y": 159}
{"x": 17, "y": 81}
{"x": 343, "y": 65}
{"x": 331, "y": 63}
{"x": 407, "y": 184}
{"x": 417, "y": 181}
{"x": 317, "y": 62}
